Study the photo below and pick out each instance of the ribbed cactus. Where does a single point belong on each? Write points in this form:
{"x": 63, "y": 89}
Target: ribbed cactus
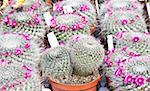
{"x": 123, "y": 21}
{"x": 86, "y": 55}
{"x": 83, "y": 7}
{"x": 67, "y": 25}
{"x": 56, "y": 63}
{"x": 24, "y": 23}
{"x": 131, "y": 74}
{"x": 18, "y": 48}
{"x": 133, "y": 42}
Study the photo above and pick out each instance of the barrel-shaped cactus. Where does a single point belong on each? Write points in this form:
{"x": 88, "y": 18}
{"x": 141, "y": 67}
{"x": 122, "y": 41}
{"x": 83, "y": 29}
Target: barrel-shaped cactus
{"x": 131, "y": 74}
{"x": 56, "y": 63}
{"x": 24, "y": 23}
{"x": 86, "y": 55}
{"x": 133, "y": 42}
{"x": 19, "y": 49}
{"x": 82, "y": 7}
{"x": 67, "y": 25}
{"x": 123, "y": 21}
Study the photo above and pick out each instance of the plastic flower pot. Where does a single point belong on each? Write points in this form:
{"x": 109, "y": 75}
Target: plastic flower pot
{"x": 91, "y": 86}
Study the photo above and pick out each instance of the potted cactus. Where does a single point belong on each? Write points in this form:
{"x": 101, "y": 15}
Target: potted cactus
{"x": 74, "y": 67}
{"x": 67, "y": 25}
{"x": 130, "y": 74}
{"x": 16, "y": 77}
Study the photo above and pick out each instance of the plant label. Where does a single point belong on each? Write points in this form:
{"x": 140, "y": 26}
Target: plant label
{"x": 48, "y": 17}
{"x": 110, "y": 42}
{"x": 52, "y": 39}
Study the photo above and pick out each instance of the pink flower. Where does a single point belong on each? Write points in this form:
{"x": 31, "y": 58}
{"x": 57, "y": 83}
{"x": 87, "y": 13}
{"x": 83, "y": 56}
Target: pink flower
{"x": 19, "y": 51}
{"x": 75, "y": 27}
{"x": 140, "y": 81}
{"x": 128, "y": 79}
{"x": 27, "y": 46}
{"x": 148, "y": 80}
{"x": 119, "y": 72}
{"x": 136, "y": 39}
{"x": 124, "y": 22}
{"x": 14, "y": 23}
{"x": 34, "y": 7}
{"x": 59, "y": 8}
{"x": 84, "y": 8}
{"x": 63, "y": 28}
{"x": 81, "y": 25}
{"x": 6, "y": 19}
{"x": 7, "y": 53}
{"x": 26, "y": 36}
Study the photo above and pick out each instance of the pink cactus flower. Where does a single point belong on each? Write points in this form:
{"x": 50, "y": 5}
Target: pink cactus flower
{"x": 128, "y": 79}
{"x": 6, "y": 19}
{"x": 140, "y": 80}
{"x": 136, "y": 39}
{"x": 26, "y": 36}
{"x": 124, "y": 22}
{"x": 27, "y": 46}
{"x": 84, "y": 8}
{"x": 34, "y": 7}
{"x": 19, "y": 51}
{"x": 81, "y": 25}
{"x": 63, "y": 28}
{"x": 119, "y": 72}
{"x": 14, "y": 23}
{"x": 75, "y": 27}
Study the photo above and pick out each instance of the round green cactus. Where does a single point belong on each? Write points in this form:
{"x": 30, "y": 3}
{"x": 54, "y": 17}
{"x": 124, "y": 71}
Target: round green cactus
{"x": 86, "y": 55}
{"x": 67, "y": 25}
{"x": 19, "y": 49}
{"x": 24, "y": 23}
{"x": 134, "y": 42}
{"x": 123, "y": 21}
{"x": 56, "y": 63}
{"x": 82, "y": 7}
{"x": 131, "y": 74}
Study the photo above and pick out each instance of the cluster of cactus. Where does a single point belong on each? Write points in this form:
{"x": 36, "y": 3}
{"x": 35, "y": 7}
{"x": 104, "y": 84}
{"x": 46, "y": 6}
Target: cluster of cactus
{"x": 18, "y": 48}
{"x": 123, "y": 21}
{"x": 67, "y": 25}
{"x": 56, "y": 63}
{"x": 82, "y": 58}
{"x": 133, "y": 42}
{"x": 82, "y": 7}
{"x": 130, "y": 74}
{"x": 24, "y": 23}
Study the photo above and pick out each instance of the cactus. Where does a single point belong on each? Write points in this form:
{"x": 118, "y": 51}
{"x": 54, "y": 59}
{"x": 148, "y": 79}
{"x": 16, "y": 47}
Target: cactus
{"x": 82, "y": 7}
{"x": 24, "y": 23}
{"x": 19, "y": 49}
{"x": 56, "y": 63}
{"x": 123, "y": 21}
{"x": 131, "y": 74}
{"x": 86, "y": 55}
{"x": 121, "y": 5}
{"x": 67, "y": 25}
{"x": 18, "y": 77}
{"x": 134, "y": 42}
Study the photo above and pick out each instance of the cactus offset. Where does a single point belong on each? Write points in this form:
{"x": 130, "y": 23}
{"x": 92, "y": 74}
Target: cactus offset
{"x": 67, "y": 25}
{"x": 131, "y": 74}
{"x": 86, "y": 55}
{"x": 56, "y": 63}
{"x": 18, "y": 48}
{"x": 134, "y": 42}
{"x": 82, "y": 7}
{"x": 123, "y": 21}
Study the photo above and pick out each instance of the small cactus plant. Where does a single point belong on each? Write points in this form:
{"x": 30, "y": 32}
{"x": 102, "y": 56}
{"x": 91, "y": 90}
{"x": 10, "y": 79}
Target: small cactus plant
{"x": 18, "y": 48}
{"x": 86, "y": 55}
{"x": 24, "y": 23}
{"x": 67, "y": 25}
{"x": 56, "y": 63}
{"x": 131, "y": 74}
{"x": 82, "y": 7}
{"x": 123, "y": 21}
{"x": 17, "y": 77}
{"x": 133, "y": 42}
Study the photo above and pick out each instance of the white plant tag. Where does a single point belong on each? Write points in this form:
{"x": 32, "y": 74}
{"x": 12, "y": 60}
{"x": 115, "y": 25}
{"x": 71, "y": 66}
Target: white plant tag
{"x": 54, "y": 7}
{"x": 110, "y": 42}
{"x": 45, "y": 89}
{"x": 48, "y": 17}
{"x": 67, "y": 9}
{"x": 52, "y": 39}
{"x": 148, "y": 8}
